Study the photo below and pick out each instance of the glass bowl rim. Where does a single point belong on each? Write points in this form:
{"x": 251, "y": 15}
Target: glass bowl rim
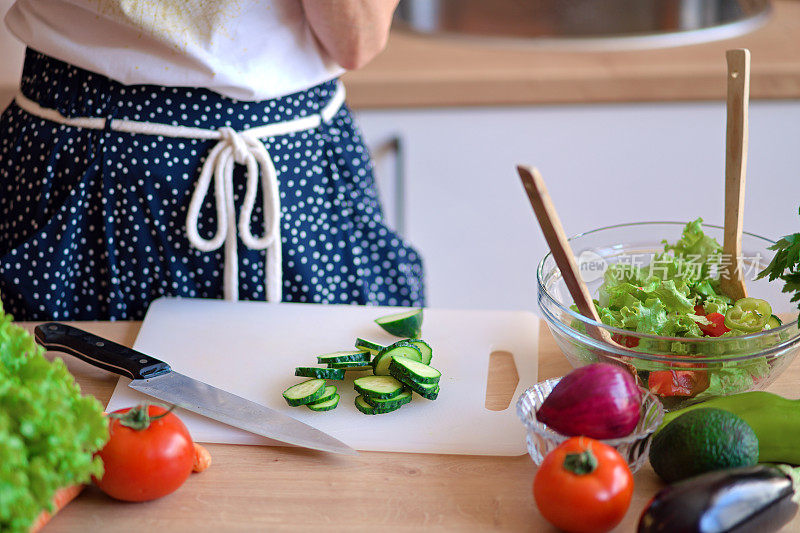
{"x": 544, "y": 293}
{"x": 542, "y": 429}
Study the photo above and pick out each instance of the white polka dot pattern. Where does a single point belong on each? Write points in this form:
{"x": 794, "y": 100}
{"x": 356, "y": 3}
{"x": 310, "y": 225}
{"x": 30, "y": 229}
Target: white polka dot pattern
{"x": 91, "y": 222}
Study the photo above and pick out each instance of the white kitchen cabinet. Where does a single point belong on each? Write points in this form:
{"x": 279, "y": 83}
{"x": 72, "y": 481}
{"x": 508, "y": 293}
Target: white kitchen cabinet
{"x": 466, "y": 211}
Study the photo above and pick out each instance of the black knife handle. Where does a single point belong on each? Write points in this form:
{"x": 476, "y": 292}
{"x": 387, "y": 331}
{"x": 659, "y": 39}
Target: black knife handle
{"x": 98, "y": 351}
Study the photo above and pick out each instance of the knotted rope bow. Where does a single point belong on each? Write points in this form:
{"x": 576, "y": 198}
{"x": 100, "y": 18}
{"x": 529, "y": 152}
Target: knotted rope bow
{"x": 243, "y": 149}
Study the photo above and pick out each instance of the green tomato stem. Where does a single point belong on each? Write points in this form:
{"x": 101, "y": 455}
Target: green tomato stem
{"x": 138, "y": 417}
{"x": 580, "y": 464}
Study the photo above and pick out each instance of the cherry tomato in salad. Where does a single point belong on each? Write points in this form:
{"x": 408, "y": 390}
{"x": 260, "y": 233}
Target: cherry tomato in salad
{"x": 149, "y": 454}
{"x": 677, "y": 382}
{"x": 717, "y": 326}
{"x": 583, "y": 486}
{"x": 627, "y": 341}
{"x": 699, "y": 310}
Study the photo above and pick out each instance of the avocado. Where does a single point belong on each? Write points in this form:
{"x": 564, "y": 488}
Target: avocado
{"x": 700, "y": 441}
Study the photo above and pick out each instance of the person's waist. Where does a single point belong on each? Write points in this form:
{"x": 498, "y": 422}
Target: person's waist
{"x": 75, "y": 92}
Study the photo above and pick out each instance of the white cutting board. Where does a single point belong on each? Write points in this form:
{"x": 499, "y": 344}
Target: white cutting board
{"x": 252, "y": 348}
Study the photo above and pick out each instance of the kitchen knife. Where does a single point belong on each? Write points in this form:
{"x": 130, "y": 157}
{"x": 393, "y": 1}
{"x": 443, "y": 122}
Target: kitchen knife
{"x": 155, "y": 378}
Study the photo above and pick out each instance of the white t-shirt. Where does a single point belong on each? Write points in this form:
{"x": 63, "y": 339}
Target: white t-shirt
{"x": 244, "y": 49}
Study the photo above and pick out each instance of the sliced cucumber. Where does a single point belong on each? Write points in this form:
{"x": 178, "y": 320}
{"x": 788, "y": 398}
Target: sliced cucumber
{"x": 379, "y": 387}
{"x": 398, "y": 401}
{"x": 424, "y": 349}
{"x": 346, "y": 356}
{"x": 381, "y": 362}
{"x": 305, "y": 392}
{"x": 329, "y": 392}
{"x": 354, "y": 365}
{"x": 371, "y": 347}
{"x": 429, "y": 392}
{"x": 321, "y": 373}
{"x": 403, "y": 367}
{"x": 367, "y": 409}
{"x": 405, "y": 324}
{"x": 773, "y": 322}
{"x": 327, "y": 405}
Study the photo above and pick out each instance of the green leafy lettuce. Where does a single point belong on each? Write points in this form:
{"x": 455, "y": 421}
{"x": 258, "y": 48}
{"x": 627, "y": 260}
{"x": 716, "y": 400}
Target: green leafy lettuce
{"x": 48, "y": 431}
{"x": 732, "y": 379}
{"x": 657, "y": 296}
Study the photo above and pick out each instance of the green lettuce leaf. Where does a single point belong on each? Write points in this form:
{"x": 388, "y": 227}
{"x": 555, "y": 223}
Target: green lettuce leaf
{"x": 659, "y": 298}
{"x": 697, "y": 247}
{"x": 735, "y": 377}
{"x": 48, "y": 431}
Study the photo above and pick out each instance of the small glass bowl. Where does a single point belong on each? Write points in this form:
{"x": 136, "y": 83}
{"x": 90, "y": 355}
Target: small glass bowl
{"x": 542, "y": 440}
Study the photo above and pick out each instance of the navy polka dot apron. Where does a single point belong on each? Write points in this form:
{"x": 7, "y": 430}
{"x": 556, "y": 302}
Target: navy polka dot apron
{"x": 93, "y": 221}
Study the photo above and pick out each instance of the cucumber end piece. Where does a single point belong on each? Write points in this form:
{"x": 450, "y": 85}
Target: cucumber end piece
{"x": 405, "y": 324}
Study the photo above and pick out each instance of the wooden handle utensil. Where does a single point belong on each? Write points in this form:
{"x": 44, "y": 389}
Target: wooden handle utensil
{"x": 562, "y": 253}
{"x": 731, "y": 276}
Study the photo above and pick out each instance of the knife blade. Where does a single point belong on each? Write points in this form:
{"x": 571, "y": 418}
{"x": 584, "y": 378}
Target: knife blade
{"x": 156, "y": 378}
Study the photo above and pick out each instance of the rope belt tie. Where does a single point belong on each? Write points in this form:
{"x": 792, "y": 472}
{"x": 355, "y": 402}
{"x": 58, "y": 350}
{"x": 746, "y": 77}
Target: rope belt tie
{"x": 243, "y": 148}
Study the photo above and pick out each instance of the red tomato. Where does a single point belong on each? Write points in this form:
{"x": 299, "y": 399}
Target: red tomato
{"x": 717, "y": 326}
{"x": 625, "y": 340}
{"x": 677, "y": 382}
{"x": 699, "y": 310}
{"x": 576, "y": 496}
{"x": 145, "y": 464}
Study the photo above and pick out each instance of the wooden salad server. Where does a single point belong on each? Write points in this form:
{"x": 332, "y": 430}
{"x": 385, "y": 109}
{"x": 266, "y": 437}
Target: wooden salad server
{"x": 731, "y": 275}
{"x": 565, "y": 260}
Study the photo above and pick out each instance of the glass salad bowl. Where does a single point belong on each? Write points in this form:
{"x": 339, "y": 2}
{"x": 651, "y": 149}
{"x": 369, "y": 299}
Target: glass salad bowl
{"x": 693, "y": 369}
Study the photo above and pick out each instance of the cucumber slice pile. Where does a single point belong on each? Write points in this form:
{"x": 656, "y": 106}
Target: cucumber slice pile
{"x": 404, "y": 348}
{"x": 420, "y": 378}
{"x": 396, "y": 371}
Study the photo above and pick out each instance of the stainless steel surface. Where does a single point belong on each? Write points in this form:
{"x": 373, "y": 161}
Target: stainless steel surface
{"x": 590, "y": 23}
{"x": 236, "y": 411}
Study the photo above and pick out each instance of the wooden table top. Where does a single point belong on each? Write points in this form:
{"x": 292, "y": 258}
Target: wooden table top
{"x": 260, "y": 488}
{"x": 433, "y": 71}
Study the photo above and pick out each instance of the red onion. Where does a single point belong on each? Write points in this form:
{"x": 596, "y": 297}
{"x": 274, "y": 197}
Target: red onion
{"x": 600, "y": 401}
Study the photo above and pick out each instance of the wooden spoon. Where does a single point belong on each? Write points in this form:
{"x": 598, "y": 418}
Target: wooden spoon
{"x": 731, "y": 275}
{"x": 565, "y": 259}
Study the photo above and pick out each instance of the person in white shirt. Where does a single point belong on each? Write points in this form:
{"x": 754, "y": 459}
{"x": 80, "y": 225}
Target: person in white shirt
{"x": 196, "y": 148}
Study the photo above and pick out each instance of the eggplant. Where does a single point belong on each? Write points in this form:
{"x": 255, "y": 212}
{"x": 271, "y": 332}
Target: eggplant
{"x": 758, "y": 498}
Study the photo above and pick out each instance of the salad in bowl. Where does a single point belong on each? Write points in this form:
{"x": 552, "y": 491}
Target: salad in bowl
{"x": 656, "y": 288}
